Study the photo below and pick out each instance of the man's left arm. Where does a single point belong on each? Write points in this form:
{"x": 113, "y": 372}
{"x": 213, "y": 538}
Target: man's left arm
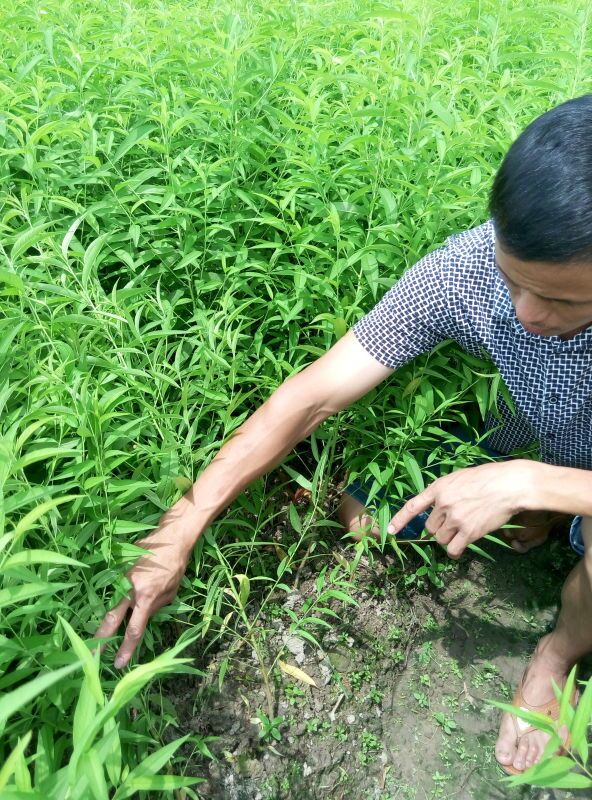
{"x": 470, "y": 503}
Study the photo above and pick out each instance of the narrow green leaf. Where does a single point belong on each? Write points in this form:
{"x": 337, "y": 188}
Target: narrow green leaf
{"x": 414, "y": 471}
{"x": 24, "y": 591}
{"x": 581, "y": 721}
{"x": 133, "y": 137}
{"x": 28, "y": 238}
{"x": 17, "y": 699}
{"x": 294, "y": 518}
{"x": 92, "y": 258}
{"x": 89, "y": 661}
{"x": 29, "y": 557}
{"x": 10, "y": 764}
{"x": 149, "y": 767}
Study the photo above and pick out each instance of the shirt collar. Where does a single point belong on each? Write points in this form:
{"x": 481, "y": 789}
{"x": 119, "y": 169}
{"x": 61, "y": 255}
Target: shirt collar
{"x": 502, "y": 304}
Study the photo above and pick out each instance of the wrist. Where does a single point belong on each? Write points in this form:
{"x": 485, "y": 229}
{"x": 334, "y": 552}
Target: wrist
{"x": 182, "y": 525}
{"x": 544, "y": 487}
{"x": 533, "y": 485}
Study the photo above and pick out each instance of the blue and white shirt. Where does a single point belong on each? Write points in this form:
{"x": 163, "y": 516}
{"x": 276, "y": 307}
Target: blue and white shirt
{"x": 456, "y": 292}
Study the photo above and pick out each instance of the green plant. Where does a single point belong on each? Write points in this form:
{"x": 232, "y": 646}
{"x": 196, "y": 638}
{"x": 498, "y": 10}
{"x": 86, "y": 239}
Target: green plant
{"x": 315, "y": 725}
{"x": 359, "y": 677}
{"x": 269, "y": 728}
{"x": 369, "y": 747}
{"x": 375, "y": 696}
{"x": 447, "y": 724}
{"x": 294, "y": 694}
{"x": 341, "y": 733}
{"x": 425, "y": 654}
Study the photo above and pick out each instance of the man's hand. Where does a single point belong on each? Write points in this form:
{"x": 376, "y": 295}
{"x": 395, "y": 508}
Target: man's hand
{"x": 155, "y": 580}
{"x": 471, "y": 502}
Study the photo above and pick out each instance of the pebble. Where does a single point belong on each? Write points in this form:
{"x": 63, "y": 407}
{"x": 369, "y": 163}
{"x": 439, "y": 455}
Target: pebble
{"x": 296, "y": 646}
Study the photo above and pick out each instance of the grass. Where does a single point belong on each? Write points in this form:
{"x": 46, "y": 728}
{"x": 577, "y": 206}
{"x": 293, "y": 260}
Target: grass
{"x": 198, "y": 199}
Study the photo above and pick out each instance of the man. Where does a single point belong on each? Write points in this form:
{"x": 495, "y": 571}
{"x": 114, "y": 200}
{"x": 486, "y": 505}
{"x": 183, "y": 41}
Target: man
{"x": 520, "y": 287}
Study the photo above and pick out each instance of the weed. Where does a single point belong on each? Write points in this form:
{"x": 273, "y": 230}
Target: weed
{"x": 316, "y": 725}
{"x": 425, "y": 654}
{"x": 447, "y": 724}
{"x": 341, "y": 733}
{"x": 369, "y": 747}
{"x": 359, "y": 677}
{"x": 375, "y": 696}
{"x": 294, "y": 694}
{"x": 268, "y": 728}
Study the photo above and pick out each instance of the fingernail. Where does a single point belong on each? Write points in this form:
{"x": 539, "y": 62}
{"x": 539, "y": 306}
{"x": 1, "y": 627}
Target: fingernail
{"x": 119, "y": 662}
{"x": 391, "y": 529}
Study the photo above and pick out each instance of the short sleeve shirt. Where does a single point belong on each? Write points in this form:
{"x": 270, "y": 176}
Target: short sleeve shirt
{"x": 456, "y": 292}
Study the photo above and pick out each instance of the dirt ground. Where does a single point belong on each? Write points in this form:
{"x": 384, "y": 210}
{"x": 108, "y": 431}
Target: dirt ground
{"x": 403, "y": 682}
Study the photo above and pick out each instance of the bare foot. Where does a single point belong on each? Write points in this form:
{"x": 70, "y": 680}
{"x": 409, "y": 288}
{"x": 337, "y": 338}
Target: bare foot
{"x": 535, "y": 530}
{"x": 524, "y": 751}
{"x": 356, "y": 519}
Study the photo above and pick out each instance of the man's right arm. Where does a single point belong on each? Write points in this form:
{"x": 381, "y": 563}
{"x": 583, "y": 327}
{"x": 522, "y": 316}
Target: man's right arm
{"x": 340, "y": 377}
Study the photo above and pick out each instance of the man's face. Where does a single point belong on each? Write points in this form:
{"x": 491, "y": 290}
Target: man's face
{"x": 549, "y": 299}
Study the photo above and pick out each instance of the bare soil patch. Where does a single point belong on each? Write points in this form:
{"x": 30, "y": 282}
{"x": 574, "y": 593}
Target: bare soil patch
{"x": 403, "y": 681}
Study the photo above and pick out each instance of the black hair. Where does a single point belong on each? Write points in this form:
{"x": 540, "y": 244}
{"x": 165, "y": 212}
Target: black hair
{"x": 541, "y": 197}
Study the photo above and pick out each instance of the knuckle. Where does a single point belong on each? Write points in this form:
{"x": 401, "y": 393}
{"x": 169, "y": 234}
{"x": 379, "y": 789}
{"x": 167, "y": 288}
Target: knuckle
{"x": 133, "y": 632}
{"x": 412, "y": 504}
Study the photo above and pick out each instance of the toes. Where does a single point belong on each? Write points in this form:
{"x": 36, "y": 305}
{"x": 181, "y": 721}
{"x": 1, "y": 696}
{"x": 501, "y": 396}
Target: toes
{"x": 504, "y": 753}
{"x": 521, "y": 753}
{"x": 505, "y": 747}
{"x": 518, "y": 546}
{"x": 532, "y": 756}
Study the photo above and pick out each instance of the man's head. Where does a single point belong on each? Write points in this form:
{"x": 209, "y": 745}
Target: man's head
{"x": 541, "y": 205}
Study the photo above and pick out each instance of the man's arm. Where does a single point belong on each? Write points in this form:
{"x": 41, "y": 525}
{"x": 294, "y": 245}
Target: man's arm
{"x": 340, "y": 377}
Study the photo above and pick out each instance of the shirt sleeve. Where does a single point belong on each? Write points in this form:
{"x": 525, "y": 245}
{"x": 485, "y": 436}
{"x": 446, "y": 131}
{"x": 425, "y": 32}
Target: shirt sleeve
{"x": 413, "y": 316}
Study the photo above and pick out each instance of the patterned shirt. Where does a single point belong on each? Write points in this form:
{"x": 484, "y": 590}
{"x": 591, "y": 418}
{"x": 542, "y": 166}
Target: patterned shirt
{"x": 457, "y": 292}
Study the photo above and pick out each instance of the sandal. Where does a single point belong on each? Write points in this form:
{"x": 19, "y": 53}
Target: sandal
{"x": 521, "y": 727}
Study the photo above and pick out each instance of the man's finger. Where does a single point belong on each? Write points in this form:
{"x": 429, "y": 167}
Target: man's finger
{"x": 113, "y": 619}
{"x": 435, "y": 521}
{"x": 445, "y": 534}
{"x": 411, "y": 509}
{"x": 457, "y": 545}
{"x": 133, "y": 633}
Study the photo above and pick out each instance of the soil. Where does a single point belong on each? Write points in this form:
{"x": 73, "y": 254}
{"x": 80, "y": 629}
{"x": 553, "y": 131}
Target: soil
{"x": 400, "y": 709}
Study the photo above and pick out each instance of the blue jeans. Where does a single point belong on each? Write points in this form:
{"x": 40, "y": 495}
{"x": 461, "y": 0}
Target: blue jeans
{"x": 576, "y": 539}
{"x": 415, "y": 527}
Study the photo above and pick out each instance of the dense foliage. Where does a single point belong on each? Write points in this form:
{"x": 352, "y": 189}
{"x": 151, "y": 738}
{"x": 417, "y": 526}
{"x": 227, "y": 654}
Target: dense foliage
{"x": 197, "y": 199}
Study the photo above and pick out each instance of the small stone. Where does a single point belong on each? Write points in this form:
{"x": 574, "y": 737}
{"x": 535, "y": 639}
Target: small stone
{"x": 306, "y": 770}
{"x": 296, "y": 646}
{"x": 326, "y": 672}
{"x": 292, "y": 599}
{"x": 350, "y": 719}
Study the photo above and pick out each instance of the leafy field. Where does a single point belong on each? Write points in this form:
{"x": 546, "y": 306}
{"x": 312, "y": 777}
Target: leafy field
{"x": 198, "y": 199}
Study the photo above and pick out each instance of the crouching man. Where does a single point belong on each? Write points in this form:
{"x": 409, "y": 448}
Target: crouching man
{"x": 519, "y": 286}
